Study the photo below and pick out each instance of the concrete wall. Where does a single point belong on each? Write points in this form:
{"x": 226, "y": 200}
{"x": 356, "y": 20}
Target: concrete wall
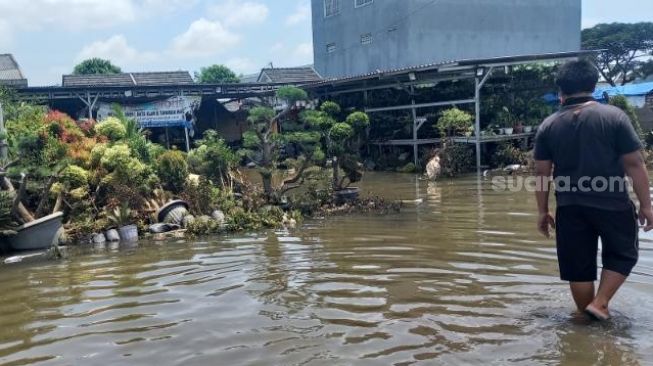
{"x": 414, "y": 32}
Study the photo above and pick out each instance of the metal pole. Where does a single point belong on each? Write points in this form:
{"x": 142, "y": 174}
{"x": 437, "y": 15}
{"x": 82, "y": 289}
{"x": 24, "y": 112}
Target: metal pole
{"x": 415, "y": 146}
{"x": 3, "y": 141}
{"x": 477, "y": 129}
{"x": 187, "y": 139}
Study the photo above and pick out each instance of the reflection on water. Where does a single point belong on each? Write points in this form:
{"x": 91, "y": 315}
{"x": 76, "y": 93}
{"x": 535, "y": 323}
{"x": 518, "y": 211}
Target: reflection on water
{"x": 459, "y": 277}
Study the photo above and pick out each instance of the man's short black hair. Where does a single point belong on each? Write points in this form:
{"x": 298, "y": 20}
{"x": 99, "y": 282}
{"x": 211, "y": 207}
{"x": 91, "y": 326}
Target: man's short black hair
{"x": 577, "y": 77}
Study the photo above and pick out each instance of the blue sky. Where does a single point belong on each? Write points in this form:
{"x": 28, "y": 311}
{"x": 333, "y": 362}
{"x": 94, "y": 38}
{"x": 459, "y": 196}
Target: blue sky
{"x": 48, "y": 37}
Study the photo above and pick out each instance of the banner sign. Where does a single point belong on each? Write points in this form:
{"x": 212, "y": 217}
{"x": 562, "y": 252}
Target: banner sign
{"x": 172, "y": 112}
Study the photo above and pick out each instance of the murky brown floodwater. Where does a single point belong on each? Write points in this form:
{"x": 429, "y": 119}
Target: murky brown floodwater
{"x": 460, "y": 279}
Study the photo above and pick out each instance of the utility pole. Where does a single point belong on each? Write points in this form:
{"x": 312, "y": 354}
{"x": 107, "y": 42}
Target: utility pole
{"x": 3, "y": 137}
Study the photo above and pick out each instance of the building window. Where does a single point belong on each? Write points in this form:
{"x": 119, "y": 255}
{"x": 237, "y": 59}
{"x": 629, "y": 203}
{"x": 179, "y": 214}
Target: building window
{"x": 361, "y": 3}
{"x": 331, "y": 48}
{"x": 331, "y": 8}
{"x": 366, "y": 38}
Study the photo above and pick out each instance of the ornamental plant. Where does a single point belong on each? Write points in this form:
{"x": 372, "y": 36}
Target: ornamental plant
{"x": 111, "y": 128}
{"x": 213, "y": 159}
{"x": 454, "y": 122}
{"x": 172, "y": 170}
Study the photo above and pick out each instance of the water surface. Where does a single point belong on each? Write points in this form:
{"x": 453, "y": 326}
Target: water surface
{"x": 459, "y": 277}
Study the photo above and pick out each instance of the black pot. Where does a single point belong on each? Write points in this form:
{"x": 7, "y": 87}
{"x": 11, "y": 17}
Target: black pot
{"x": 346, "y": 195}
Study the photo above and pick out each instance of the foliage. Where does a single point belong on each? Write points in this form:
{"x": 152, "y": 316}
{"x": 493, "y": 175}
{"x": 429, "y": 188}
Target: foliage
{"x": 6, "y": 217}
{"x": 75, "y": 177}
{"x": 507, "y": 154}
{"x": 213, "y": 158}
{"x": 330, "y": 108}
{"x": 96, "y": 66}
{"x": 203, "y": 197}
{"x": 339, "y": 133}
{"x": 121, "y": 215}
{"x": 203, "y": 226}
{"x": 622, "y": 103}
{"x": 456, "y": 159}
{"x": 291, "y": 95}
{"x": 172, "y": 169}
{"x": 455, "y": 121}
{"x": 359, "y": 121}
{"x": 628, "y": 46}
{"x": 216, "y": 74}
{"x": 112, "y": 128}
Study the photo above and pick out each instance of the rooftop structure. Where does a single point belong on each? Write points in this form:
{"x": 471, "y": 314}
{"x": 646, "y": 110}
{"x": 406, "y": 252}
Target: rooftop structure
{"x": 353, "y": 37}
{"x": 10, "y": 73}
{"x": 289, "y": 75}
{"x": 129, "y": 79}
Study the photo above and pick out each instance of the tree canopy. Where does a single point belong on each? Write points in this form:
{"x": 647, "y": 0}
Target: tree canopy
{"x": 628, "y": 50}
{"x": 96, "y": 66}
{"x": 217, "y": 74}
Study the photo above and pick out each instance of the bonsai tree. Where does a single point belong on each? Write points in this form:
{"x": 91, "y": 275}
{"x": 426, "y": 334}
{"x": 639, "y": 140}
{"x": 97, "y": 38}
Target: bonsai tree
{"x": 216, "y": 74}
{"x": 265, "y": 139}
{"x": 342, "y": 140}
{"x": 454, "y": 122}
{"x": 96, "y": 66}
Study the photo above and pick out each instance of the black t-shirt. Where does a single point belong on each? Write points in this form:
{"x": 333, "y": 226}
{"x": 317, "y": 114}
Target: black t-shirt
{"x": 586, "y": 142}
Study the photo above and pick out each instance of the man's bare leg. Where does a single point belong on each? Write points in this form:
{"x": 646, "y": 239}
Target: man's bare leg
{"x": 583, "y": 293}
{"x": 611, "y": 282}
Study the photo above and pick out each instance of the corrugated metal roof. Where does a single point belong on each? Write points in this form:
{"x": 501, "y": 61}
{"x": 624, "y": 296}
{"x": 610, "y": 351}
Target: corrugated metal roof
{"x": 129, "y": 79}
{"x": 10, "y": 73}
{"x": 289, "y": 75}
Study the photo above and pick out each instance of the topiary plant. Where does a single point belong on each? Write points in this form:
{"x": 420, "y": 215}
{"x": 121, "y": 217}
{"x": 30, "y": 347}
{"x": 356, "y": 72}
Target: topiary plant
{"x": 172, "y": 170}
{"x": 454, "y": 121}
{"x": 75, "y": 177}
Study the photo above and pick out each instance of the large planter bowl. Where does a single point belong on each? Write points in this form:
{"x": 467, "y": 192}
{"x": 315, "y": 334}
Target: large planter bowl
{"x": 346, "y": 195}
{"x": 128, "y": 233}
{"x": 37, "y": 235}
{"x": 173, "y": 212}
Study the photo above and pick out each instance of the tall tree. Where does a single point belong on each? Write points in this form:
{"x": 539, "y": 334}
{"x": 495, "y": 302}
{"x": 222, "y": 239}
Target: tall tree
{"x": 96, "y": 66}
{"x": 628, "y": 47}
{"x": 216, "y": 74}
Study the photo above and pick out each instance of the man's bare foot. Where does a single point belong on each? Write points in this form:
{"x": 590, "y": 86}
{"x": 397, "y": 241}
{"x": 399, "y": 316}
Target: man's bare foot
{"x": 598, "y": 312}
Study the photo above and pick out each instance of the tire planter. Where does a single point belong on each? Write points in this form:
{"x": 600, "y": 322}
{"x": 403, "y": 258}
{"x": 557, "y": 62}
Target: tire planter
{"x": 346, "y": 195}
{"x": 173, "y": 212}
{"x": 38, "y": 234}
{"x": 128, "y": 233}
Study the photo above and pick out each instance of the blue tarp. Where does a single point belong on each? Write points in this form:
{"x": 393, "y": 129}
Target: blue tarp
{"x": 155, "y": 124}
{"x": 630, "y": 90}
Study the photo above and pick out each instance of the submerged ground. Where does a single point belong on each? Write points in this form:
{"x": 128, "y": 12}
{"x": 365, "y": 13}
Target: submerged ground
{"x": 461, "y": 278}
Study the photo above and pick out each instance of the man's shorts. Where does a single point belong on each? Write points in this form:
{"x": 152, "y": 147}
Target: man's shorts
{"x": 578, "y": 229}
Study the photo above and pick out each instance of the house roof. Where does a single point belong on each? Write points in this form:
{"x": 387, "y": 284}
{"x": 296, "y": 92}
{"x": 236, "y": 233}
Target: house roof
{"x": 289, "y": 75}
{"x": 129, "y": 79}
{"x": 10, "y": 73}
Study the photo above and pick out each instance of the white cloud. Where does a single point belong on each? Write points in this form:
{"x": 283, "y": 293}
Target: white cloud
{"x": 301, "y": 14}
{"x": 233, "y": 13}
{"x": 242, "y": 65}
{"x": 118, "y": 51}
{"x": 203, "y": 38}
{"x": 304, "y": 51}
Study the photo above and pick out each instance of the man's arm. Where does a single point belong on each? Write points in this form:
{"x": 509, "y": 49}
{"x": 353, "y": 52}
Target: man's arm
{"x": 545, "y": 221}
{"x": 636, "y": 170}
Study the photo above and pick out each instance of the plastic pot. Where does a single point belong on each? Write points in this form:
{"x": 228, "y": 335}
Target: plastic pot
{"x": 128, "y": 233}
{"x": 346, "y": 195}
{"x": 38, "y": 234}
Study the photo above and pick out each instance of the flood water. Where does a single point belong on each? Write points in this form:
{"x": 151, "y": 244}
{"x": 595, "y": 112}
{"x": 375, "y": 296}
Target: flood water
{"x": 461, "y": 278}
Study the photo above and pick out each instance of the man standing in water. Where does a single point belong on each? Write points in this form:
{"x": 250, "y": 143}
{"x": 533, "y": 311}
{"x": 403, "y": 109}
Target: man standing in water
{"x": 590, "y": 148}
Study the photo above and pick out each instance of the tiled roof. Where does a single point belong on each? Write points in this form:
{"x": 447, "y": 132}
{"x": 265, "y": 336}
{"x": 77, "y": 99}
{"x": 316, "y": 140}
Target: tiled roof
{"x": 129, "y": 79}
{"x": 10, "y": 73}
{"x": 289, "y": 75}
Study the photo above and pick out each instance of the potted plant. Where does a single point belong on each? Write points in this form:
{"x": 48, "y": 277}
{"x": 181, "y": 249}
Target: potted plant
{"x": 122, "y": 218}
{"x": 343, "y": 145}
{"x": 506, "y": 120}
{"x": 455, "y": 122}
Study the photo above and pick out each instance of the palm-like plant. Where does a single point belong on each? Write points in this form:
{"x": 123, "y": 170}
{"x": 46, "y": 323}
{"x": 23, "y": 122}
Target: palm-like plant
{"x": 120, "y": 216}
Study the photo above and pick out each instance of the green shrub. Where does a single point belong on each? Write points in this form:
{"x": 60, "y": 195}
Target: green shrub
{"x": 213, "y": 158}
{"x": 330, "y": 108}
{"x": 454, "y": 121}
{"x": 75, "y": 177}
{"x": 359, "y": 121}
{"x": 341, "y": 132}
{"x": 408, "y": 168}
{"x": 622, "y": 103}
{"x": 172, "y": 170}
{"x": 507, "y": 154}
{"x": 111, "y": 128}
{"x": 116, "y": 157}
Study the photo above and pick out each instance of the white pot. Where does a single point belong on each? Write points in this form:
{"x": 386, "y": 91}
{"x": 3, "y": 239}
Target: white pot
{"x": 128, "y": 233}
{"x": 509, "y": 131}
{"x": 528, "y": 129}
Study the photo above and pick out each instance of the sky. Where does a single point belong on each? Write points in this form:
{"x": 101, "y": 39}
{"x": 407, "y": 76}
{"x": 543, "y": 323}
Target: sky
{"x": 49, "y": 37}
